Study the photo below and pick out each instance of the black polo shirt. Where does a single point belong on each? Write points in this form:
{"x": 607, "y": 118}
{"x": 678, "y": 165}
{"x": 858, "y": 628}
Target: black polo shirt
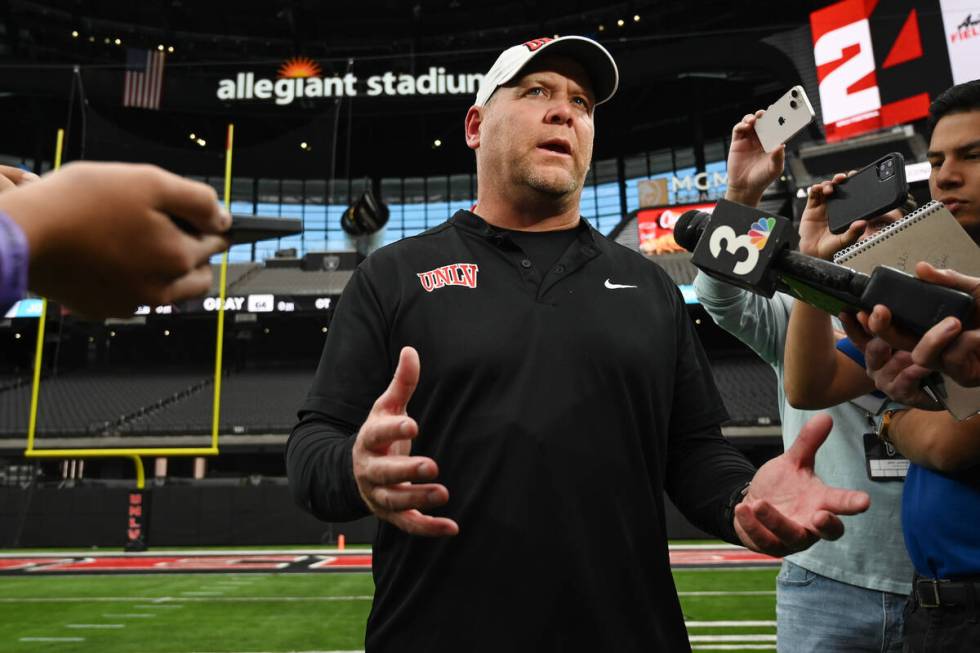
{"x": 559, "y": 405}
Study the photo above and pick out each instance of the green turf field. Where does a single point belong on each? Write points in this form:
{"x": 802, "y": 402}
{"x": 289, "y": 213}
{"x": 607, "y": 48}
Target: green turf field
{"x": 276, "y": 613}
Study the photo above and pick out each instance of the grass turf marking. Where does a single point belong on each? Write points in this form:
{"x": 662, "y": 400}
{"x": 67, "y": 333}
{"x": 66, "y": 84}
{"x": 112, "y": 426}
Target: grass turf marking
{"x": 728, "y": 624}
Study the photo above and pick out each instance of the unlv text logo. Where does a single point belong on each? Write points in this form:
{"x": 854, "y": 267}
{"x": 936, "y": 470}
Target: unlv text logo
{"x": 536, "y": 43}
{"x": 455, "y": 274}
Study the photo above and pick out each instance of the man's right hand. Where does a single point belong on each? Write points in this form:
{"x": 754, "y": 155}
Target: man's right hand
{"x": 394, "y": 484}
{"x": 750, "y": 168}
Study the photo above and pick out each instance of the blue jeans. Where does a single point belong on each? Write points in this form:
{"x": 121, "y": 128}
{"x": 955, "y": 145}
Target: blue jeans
{"x": 820, "y": 615}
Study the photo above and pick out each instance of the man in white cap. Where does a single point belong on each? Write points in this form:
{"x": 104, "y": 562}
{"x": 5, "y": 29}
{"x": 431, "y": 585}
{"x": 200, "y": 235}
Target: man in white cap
{"x": 553, "y": 384}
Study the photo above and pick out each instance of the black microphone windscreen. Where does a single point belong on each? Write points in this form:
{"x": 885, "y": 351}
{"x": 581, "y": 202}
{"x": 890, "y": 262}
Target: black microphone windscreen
{"x": 689, "y": 227}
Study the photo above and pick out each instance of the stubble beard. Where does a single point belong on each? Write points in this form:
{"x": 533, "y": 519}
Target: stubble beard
{"x": 553, "y": 183}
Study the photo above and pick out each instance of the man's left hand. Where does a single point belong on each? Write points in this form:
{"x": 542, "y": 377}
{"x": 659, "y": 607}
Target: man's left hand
{"x": 788, "y": 508}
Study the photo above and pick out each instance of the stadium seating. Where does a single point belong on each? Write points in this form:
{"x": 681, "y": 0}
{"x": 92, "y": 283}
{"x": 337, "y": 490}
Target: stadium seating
{"x": 92, "y": 403}
{"x": 252, "y": 402}
{"x": 748, "y": 388}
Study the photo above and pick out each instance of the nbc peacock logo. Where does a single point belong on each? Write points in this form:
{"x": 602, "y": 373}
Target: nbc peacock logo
{"x": 760, "y": 230}
{"x": 298, "y": 67}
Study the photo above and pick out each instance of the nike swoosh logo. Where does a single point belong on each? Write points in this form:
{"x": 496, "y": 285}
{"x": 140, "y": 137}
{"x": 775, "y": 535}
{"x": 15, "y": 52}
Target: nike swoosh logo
{"x": 616, "y": 286}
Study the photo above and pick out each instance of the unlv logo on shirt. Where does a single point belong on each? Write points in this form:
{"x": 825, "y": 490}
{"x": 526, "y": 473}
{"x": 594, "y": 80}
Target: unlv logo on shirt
{"x": 454, "y": 274}
{"x": 537, "y": 43}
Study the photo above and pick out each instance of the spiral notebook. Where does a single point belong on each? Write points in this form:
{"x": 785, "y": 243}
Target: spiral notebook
{"x": 929, "y": 234}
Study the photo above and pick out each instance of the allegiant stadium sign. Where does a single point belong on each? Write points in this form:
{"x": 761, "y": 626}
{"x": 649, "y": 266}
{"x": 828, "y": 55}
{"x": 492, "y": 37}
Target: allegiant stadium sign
{"x": 300, "y": 78}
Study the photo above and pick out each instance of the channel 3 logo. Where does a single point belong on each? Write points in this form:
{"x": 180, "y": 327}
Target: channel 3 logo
{"x": 753, "y": 243}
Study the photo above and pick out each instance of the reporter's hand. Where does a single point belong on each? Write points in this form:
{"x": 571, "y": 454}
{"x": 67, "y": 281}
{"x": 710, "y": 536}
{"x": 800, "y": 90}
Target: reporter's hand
{"x": 11, "y": 177}
{"x": 946, "y": 346}
{"x": 895, "y": 374}
{"x": 750, "y": 168}
{"x": 394, "y": 484}
{"x": 815, "y": 237}
{"x": 101, "y": 240}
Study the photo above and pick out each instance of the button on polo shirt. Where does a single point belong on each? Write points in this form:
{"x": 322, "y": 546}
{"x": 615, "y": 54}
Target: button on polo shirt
{"x": 558, "y": 405}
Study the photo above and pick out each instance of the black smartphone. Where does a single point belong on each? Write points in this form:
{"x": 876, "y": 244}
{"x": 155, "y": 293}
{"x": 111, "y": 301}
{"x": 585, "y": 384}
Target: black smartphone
{"x": 253, "y": 228}
{"x": 873, "y": 190}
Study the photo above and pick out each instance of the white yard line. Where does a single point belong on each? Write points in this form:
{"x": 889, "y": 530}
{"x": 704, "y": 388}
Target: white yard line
{"x": 133, "y": 615}
{"x": 729, "y": 624}
{"x": 734, "y": 647}
{"x": 96, "y": 626}
{"x": 733, "y": 593}
{"x": 732, "y": 638}
{"x": 52, "y": 639}
{"x": 187, "y": 599}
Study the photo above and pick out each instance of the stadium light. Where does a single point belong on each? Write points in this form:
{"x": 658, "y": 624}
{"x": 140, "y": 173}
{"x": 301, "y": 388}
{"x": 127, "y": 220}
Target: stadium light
{"x": 620, "y": 22}
{"x": 17, "y": 336}
{"x": 170, "y": 49}
{"x": 74, "y": 33}
{"x": 160, "y": 47}
{"x": 118, "y": 41}
{"x": 602, "y": 28}
{"x": 193, "y": 136}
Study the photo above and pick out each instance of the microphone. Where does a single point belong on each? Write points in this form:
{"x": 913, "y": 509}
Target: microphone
{"x": 752, "y": 249}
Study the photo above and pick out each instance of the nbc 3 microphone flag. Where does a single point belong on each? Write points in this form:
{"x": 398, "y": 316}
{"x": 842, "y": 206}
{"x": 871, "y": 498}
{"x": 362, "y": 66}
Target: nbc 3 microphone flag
{"x": 143, "y": 83}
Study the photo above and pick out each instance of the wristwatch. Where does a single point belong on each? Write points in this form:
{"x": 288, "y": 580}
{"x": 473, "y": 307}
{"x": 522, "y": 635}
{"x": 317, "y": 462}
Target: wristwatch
{"x": 734, "y": 500}
{"x": 884, "y": 423}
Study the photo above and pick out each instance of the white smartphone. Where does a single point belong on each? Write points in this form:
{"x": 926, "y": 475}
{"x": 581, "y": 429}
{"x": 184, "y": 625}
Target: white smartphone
{"x": 784, "y": 118}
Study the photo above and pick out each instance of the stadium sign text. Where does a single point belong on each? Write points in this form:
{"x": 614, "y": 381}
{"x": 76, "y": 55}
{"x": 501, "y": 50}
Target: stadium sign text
{"x": 231, "y": 303}
{"x": 701, "y": 181}
{"x": 285, "y": 90}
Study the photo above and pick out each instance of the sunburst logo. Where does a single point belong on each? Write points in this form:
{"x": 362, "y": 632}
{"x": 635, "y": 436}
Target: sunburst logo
{"x": 760, "y": 230}
{"x": 297, "y": 67}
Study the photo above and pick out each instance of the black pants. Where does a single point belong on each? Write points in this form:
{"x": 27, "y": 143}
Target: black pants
{"x": 954, "y": 629}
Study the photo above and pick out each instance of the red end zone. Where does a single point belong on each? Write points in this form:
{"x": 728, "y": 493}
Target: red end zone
{"x": 292, "y": 563}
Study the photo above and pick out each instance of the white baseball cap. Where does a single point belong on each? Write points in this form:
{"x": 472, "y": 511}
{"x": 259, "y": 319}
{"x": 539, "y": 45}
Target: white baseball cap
{"x": 596, "y": 60}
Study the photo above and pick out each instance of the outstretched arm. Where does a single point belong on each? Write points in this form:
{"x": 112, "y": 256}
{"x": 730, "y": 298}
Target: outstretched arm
{"x": 788, "y": 508}
{"x": 817, "y": 374}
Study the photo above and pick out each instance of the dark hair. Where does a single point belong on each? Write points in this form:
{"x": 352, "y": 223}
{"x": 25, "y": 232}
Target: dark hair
{"x": 956, "y": 99}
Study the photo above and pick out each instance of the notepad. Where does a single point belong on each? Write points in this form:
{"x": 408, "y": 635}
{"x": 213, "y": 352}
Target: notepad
{"x": 929, "y": 234}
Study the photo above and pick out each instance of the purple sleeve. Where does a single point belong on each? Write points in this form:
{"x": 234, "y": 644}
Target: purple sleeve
{"x": 13, "y": 263}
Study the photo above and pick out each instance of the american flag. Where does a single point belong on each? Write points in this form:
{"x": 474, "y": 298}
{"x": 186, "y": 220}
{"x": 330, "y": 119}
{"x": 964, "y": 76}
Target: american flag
{"x": 144, "y": 78}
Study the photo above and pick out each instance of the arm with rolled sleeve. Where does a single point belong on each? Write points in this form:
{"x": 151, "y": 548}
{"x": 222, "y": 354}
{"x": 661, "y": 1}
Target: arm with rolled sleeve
{"x": 760, "y": 322}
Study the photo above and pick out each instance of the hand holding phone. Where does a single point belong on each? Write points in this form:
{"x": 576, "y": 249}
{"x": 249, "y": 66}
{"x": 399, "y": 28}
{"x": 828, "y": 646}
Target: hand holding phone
{"x": 875, "y": 189}
{"x": 784, "y": 119}
{"x": 252, "y": 228}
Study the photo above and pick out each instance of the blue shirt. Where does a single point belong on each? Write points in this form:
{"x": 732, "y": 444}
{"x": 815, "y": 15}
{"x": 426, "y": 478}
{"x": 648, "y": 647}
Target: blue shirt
{"x": 940, "y": 514}
{"x": 941, "y": 522}
{"x": 13, "y": 263}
